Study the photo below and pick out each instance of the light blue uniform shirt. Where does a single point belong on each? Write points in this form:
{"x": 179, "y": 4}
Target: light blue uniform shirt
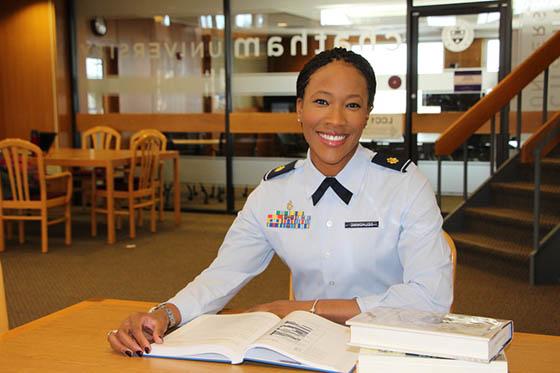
{"x": 385, "y": 248}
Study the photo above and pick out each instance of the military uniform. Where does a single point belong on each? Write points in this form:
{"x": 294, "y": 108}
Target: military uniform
{"x": 383, "y": 247}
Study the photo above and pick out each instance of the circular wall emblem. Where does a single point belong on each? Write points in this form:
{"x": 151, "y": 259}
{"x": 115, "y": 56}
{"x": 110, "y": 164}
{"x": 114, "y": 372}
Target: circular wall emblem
{"x": 395, "y": 81}
{"x": 459, "y": 37}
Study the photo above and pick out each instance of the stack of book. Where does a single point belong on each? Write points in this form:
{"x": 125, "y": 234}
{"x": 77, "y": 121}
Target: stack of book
{"x": 405, "y": 340}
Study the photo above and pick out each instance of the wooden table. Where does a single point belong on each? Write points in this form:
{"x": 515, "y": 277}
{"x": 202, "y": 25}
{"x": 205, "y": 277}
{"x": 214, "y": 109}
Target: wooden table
{"x": 109, "y": 159}
{"x": 74, "y": 340}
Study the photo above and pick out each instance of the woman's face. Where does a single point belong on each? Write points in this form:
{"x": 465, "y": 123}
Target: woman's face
{"x": 333, "y": 113}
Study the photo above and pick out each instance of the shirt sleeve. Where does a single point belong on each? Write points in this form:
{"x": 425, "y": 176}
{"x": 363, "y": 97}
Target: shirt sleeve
{"x": 244, "y": 254}
{"x": 424, "y": 255}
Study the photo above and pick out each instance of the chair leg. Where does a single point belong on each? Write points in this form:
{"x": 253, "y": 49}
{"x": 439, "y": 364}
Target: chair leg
{"x": 44, "y": 232}
{"x": 68, "y": 225}
{"x": 131, "y": 218}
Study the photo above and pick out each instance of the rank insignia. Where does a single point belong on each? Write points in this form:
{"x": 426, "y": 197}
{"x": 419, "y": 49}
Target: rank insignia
{"x": 390, "y": 161}
{"x": 290, "y": 206}
{"x": 288, "y": 219}
{"x": 280, "y": 170}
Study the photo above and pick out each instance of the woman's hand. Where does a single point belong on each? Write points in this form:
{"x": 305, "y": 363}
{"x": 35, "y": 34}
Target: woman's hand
{"x": 137, "y": 331}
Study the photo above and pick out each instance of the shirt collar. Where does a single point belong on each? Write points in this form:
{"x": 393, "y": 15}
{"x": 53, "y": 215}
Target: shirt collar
{"x": 350, "y": 177}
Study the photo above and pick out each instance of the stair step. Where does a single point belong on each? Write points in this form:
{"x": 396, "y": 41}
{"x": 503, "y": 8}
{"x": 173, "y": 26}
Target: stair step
{"x": 527, "y": 186}
{"x": 492, "y": 245}
{"x": 551, "y": 162}
{"x": 515, "y": 216}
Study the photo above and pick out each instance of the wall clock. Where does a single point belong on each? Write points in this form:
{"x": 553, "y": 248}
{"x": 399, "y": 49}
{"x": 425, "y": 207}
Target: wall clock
{"x": 98, "y": 26}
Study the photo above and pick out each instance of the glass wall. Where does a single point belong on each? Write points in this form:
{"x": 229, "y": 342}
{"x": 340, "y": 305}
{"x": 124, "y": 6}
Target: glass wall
{"x": 158, "y": 65}
{"x": 162, "y": 65}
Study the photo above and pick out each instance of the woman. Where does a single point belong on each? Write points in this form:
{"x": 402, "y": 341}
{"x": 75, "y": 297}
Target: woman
{"x": 357, "y": 229}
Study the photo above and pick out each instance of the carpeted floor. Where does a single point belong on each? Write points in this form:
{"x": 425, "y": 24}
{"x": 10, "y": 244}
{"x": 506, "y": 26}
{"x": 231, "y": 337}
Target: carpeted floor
{"x": 162, "y": 263}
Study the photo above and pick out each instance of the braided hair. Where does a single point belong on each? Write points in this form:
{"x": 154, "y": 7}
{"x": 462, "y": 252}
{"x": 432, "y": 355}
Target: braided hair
{"x": 337, "y": 54}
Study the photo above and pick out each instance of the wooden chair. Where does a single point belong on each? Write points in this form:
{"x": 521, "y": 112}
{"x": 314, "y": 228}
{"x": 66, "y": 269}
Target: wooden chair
{"x": 453, "y": 253}
{"x": 139, "y": 189}
{"x": 4, "y": 326}
{"x": 101, "y": 137}
{"x": 24, "y": 194}
{"x": 98, "y": 138}
{"x": 159, "y": 176}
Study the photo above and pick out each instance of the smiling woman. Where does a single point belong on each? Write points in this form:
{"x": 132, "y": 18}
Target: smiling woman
{"x": 333, "y": 112}
{"x": 357, "y": 229}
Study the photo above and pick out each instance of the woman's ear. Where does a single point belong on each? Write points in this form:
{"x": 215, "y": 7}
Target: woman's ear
{"x": 299, "y": 109}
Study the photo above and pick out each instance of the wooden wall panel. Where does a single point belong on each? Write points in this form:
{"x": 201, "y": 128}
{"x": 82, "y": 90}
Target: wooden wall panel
{"x": 245, "y": 123}
{"x": 63, "y": 77}
{"x": 27, "y": 93}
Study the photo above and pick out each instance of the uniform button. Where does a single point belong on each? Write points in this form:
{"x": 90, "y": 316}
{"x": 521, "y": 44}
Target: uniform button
{"x": 331, "y": 283}
{"x": 329, "y": 223}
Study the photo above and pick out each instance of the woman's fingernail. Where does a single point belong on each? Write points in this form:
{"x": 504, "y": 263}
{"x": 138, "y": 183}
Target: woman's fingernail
{"x": 128, "y": 353}
{"x": 139, "y": 353}
{"x": 147, "y": 349}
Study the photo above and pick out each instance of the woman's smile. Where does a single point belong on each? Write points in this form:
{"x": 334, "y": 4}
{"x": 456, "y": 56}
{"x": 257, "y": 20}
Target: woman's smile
{"x": 332, "y": 139}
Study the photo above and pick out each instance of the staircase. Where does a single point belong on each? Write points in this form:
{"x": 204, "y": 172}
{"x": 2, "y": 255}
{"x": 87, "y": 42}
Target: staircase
{"x": 511, "y": 224}
{"x": 496, "y": 222}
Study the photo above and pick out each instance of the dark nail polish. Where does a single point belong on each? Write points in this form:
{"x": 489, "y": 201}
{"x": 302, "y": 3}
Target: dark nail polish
{"x": 128, "y": 353}
{"x": 139, "y": 353}
{"x": 147, "y": 349}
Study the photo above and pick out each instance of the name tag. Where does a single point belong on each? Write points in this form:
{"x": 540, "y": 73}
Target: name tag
{"x": 361, "y": 224}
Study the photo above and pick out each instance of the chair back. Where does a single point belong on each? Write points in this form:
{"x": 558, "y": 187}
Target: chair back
{"x": 453, "y": 250}
{"x": 149, "y": 131}
{"x": 4, "y": 326}
{"x": 145, "y": 162}
{"x": 101, "y": 138}
{"x": 453, "y": 253}
{"x": 22, "y": 169}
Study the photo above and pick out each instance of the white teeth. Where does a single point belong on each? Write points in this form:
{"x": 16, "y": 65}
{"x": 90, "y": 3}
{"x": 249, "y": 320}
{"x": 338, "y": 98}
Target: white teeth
{"x": 332, "y": 137}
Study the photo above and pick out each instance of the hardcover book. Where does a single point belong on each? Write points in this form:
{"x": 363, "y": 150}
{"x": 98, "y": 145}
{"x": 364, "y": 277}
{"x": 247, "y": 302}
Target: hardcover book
{"x": 445, "y": 335}
{"x": 373, "y": 361}
{"x": 299, "y": 340}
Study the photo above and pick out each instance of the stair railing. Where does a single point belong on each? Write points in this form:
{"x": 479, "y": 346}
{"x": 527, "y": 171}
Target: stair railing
{"x": 485, "y": 109}
{"x": 539, "y": 145}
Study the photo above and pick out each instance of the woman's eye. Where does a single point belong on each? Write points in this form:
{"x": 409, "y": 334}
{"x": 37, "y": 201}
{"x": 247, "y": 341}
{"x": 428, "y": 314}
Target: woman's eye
{"x": 354, "y": 105}
{"x": 320, "y": 101}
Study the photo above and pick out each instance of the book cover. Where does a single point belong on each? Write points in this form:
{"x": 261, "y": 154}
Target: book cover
{"x": 430, "y": 333}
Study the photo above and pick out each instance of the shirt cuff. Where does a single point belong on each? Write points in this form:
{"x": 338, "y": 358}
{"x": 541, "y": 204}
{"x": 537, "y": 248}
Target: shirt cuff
{"x": 188, "y": 307}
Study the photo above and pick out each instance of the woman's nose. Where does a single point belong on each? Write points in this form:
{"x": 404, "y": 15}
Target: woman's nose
{"x": 336, "y": 115}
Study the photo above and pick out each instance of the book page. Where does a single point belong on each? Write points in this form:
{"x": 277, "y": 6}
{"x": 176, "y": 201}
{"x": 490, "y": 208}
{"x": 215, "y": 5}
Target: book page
{"x": 227, "y": 335}
{"x": 310, "y": 340}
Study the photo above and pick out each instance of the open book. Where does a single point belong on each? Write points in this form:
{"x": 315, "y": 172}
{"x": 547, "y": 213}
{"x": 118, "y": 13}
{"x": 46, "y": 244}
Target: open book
{"x": 299, "y": 340}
